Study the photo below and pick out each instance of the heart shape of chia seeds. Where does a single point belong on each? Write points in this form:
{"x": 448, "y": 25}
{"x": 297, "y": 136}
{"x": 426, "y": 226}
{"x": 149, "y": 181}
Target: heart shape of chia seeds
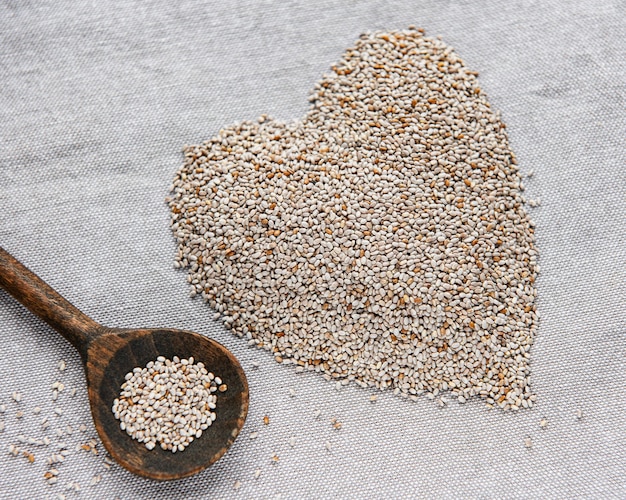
{"x": 382, "y": 239}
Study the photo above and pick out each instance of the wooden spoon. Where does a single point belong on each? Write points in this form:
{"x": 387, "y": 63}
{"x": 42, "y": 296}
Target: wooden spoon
{"x": 108, "y": 354}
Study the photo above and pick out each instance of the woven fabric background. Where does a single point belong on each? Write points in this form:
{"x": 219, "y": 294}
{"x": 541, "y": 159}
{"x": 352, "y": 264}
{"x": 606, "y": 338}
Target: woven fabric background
{"x": 97, "y": 99}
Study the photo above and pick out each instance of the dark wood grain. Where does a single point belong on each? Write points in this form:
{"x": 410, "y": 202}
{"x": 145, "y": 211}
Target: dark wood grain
{"x": 108, "y": 354}
{"x": 40, "y": 299}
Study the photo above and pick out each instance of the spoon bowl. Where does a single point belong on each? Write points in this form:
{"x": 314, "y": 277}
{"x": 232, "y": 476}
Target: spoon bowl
{"x": 108, "y": 354}
{"x": 115, "y": 353}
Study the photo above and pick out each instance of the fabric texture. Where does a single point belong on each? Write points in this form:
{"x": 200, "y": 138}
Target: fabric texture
{"x": 97, "y": 100}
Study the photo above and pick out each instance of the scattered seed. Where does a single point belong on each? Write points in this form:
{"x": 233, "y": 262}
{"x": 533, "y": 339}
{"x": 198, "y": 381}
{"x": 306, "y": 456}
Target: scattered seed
{"x": 1, "y": 426}
{"x": 335, "y": 423}
{"x": 328, "y": 446}
{"x": 82, "y": 427}
{"x": 543, "y": 423}
{"x": 257, "y": 473}
{"x": 37, "y": 410}
{"x": 255, "y": 364}
{"x": 292, "y": 441}
{"x": 275, "y": 458}
{"x": 19, "y": 414}
{"x": 36, "y": 442}
{"x": 55, "y": 458}
{"x": 73, "y": 391}
{"x": 373, "y": 398}
{"x": 317, "y": 413}
{"x": 266, "y": 420}
{"x": 3, "y": 408}
{"x": 390, "y": 217}
{"x": 528, "y": 442}
{"x": 17, "y": 397}
{"x": 72, "y": 486}
{"x": 95, "y": 480}
{"x": 62, "y": 366}
{"x": 579, "y": 414}
{"x": 237, "y": 485}
{"x": 254, "y": 435}
{"x": 58, "y": 411}
{"x": 292, "y": 392}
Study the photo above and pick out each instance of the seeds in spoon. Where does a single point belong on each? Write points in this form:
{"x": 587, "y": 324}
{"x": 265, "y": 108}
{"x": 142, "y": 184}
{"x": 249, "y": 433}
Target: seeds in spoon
{"x": 169, "y": 402}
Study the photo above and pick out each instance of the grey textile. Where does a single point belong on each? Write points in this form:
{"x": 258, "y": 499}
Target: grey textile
{"x": 97, "y": 99}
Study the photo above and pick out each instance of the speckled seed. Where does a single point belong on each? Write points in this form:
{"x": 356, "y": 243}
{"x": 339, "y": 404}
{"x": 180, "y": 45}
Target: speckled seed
{"x": 382, "y": 240}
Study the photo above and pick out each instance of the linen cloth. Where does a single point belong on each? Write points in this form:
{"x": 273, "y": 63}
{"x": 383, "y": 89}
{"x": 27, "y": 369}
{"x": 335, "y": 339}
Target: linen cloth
{"x": 96, "y": 101}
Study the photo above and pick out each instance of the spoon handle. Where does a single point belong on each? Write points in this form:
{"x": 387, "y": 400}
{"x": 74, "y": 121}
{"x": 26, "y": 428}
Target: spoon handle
{"x": 40, "y": 299}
